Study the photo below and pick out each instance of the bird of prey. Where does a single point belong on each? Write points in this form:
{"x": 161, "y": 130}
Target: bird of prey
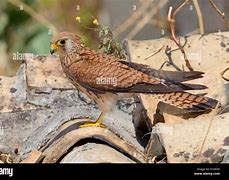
{"x": 106, "y": 78}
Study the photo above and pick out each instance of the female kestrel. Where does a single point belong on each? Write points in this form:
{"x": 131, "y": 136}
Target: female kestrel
{"x": 106, "y": 79}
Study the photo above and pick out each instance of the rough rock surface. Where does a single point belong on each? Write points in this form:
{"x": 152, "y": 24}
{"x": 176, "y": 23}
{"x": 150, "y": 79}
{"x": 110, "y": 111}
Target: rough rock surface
{"x": 40, "y": 98}
{"x": 226, "y": 157}
{"x": 95, "y": 153}
{"x": 183, "y": 141}
{"x": 208, "y": 54}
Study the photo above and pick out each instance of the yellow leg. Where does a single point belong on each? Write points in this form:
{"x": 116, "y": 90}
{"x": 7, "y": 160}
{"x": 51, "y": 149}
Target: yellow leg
{"x": 97, "y": 123}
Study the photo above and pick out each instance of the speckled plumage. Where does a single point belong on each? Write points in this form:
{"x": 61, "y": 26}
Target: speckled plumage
{"x": 85, "y": 66}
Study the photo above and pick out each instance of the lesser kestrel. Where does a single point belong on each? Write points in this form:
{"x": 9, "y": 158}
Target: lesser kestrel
{"x": 106, "y": 79}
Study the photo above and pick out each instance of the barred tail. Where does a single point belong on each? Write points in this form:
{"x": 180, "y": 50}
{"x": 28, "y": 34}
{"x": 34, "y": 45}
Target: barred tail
{"x": 187, "y": 101}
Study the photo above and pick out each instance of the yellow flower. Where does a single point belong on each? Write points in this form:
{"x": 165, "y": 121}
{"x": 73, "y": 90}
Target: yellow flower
{"x": 78, "y": 19}
{"x": 95, "y": 21}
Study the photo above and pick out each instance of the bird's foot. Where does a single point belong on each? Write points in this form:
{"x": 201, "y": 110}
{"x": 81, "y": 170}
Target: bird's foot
{"x": 92, "y": 124}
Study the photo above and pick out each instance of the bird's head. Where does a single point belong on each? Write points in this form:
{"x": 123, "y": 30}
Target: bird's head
{"x": 64, "y": 43}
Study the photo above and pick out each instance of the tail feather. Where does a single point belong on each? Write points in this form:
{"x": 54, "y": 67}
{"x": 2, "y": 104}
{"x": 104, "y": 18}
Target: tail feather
{"x": 188, "y": 101}
{"x": 187, "y": 86}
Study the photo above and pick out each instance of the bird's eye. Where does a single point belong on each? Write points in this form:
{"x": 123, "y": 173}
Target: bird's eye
{"x": 61, "y": 42}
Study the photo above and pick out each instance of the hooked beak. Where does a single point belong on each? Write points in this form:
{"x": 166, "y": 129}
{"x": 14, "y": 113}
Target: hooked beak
{"x": 53, "y": 48}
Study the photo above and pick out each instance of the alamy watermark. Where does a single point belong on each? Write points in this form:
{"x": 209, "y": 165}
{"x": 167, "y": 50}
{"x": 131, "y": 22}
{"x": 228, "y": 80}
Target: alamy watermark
{"x": 6, "y": 171}
{"x": 106, "y": 80}
{"x": 18, "y": 56}
{"x": 2, "y": 129}
{"x": 21, "y": 7}
{"x": 162, "y": 129}
{"x": 192, "y": 56}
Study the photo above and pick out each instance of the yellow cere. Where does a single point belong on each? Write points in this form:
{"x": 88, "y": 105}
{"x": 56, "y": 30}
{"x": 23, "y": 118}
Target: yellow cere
{"x": 78, "y": 19}
{"x": 53, "y": 46}
{"x": 95, "y": 22}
